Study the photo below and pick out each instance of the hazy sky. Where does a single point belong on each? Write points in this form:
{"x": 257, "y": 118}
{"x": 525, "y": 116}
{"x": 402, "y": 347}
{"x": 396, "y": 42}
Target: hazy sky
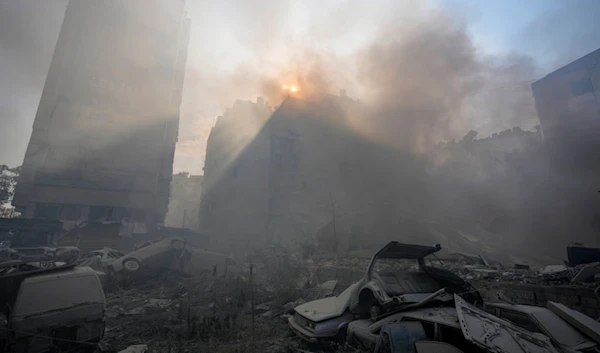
{"x": 236, "y": 44}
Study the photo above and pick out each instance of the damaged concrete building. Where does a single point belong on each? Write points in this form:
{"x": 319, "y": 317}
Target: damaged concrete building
{"x": 277, "y": 183}
{"x": 104, "y": 135}
{"x": 568, "y": 99}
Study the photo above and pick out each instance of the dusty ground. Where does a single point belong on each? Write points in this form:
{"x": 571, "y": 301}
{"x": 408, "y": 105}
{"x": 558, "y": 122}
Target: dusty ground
{"x": 209, "y": 313}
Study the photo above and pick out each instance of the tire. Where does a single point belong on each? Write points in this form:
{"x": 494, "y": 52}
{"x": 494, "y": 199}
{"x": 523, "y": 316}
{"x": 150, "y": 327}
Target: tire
{"x": 177, "y": 244}
{"x": 131, "y": 265}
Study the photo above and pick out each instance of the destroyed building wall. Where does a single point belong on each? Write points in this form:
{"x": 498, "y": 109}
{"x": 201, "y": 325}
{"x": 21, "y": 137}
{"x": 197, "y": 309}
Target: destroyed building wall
{"x": 233, "y": 206}
{"x": 184, "y": 201}
{"x": 569, "y": 98}
{"x": 104, "y": 135}
{"x": 491, "y": 195}
{"x": 304, "y": 158}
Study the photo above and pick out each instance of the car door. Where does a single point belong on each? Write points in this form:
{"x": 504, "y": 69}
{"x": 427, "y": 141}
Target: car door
{"x": 497, "y": 335}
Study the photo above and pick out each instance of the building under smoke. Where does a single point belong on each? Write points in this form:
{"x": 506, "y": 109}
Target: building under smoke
{"x": 104, "y": 134}
{"x": 568, "y": 99}
{"x": 276, "y": 180}
{"x": 306, "y": 173}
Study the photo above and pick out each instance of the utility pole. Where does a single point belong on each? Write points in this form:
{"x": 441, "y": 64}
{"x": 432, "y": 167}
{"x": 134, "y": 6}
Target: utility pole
{"x": 183, "y": 220}
{"x": 335, "y": 241}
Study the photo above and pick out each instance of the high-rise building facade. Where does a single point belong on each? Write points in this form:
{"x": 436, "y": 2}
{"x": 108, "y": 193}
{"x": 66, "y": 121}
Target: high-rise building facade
{"x": 104, "y": 135}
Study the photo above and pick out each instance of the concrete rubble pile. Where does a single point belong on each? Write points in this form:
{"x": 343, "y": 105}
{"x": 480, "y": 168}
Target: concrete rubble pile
{"x": 208, "y": 310}
{"x": 164, "y": 297}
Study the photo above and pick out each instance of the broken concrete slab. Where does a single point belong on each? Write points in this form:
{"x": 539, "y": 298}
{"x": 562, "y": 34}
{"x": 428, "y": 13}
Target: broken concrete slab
{"x": 551, "y": 269}
{"x": 587, "y": 273}
{"x": 579, "y": 320}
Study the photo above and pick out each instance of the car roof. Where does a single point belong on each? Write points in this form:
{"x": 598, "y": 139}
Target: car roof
{"x": 72, "y": 272}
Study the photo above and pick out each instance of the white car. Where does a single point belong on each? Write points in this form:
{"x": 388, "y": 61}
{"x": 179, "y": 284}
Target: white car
{"x": 148, "y": 253}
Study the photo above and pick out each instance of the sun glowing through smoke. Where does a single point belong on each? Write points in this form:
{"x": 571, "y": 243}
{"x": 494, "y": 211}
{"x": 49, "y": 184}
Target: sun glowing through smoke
{"x": 291, "y": 88}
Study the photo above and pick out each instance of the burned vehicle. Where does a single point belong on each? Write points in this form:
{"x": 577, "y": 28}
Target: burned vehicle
{"x": 403, "y": 281}
{"x": 69, "y": 315}
{"x": 542, "y": 320}
{"x": 397, "y": 275}
{"x": 147, "y": 254}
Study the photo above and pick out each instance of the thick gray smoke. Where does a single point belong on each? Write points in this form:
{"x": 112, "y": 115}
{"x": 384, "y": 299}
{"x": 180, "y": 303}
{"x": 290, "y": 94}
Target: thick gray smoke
{"x": 424, "y": 81}
{"x": 28, "y": 33}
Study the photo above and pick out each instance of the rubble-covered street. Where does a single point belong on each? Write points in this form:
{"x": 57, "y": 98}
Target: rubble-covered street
{"x": 173, "y": 312}
{"x": 395, "y": 176}
{"x": 166, "y": 310}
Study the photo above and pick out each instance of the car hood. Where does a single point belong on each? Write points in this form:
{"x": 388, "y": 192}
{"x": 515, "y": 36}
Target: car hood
{"x": 327, "y": 308}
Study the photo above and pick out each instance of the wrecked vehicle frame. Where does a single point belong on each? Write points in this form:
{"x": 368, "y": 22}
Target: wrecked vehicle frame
{"x": 383, "y": 291}
{"x": 326, "y": 320}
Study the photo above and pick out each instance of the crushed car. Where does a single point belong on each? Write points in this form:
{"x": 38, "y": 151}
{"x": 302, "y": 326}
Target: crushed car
{"x": 68, "y": 316}
{"x": 465, "y": 327}
{"x": 100, "y": 259}
{"x": 147, "y": 254}
{"x": 436, "y": 322}
{"x": 409, "y": 337}
{"x": 324, "y": 321}
{"x": 397, "y": 277}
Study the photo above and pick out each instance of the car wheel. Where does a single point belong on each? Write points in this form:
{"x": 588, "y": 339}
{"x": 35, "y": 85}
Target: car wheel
{"x": 177, "y": 244}
{"x": 131, "y": 265}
